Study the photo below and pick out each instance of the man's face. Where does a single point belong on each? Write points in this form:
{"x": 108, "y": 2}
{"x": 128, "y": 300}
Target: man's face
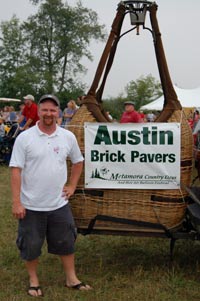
{"x": 48, "y": 113}
{"x": 129, "y": 108}
{"x": 27, "y": 102}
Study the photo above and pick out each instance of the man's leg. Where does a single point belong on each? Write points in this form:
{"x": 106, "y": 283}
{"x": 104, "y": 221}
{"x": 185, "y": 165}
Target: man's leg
{"x": 61, "y": 238}
{"x": 69, "y": 268}
{"x": 34, "y": 289}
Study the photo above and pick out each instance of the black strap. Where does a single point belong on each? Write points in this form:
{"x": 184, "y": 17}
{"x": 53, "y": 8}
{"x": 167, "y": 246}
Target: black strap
{"x": 125, "y": 221}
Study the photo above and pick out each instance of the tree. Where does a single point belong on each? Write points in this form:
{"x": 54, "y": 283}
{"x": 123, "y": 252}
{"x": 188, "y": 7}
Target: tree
{"x": 143, "y": 90}
{"x": 115, "y": 106}
{"x": 13, "y": 64}
{"x": 50, "y": 46}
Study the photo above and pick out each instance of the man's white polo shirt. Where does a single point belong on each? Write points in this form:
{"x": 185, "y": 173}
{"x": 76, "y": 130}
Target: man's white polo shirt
{"x": 42, "y": 159}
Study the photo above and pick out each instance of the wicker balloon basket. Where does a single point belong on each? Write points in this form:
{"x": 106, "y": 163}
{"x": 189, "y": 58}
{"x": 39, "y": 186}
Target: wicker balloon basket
{"x": 131, "y": 209}
{"x": 164, "y": 207}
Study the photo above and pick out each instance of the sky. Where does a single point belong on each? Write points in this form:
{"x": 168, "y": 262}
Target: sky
{"x": 179, "y": 23}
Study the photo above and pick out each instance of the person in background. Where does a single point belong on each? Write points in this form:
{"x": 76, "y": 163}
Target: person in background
{"x": 60, "y": 117}
{"x": 40, "y": 195}
{"x": 190, "y": 121}
{"x": 129, "y": 114}
{"x": 12, "y": 115}
{"x": 30, "y": 112}
{"x": 195, "y": 118}
{"x": 69, "y": 112}
{"x": 23, "y": 122}
{"x": 2, "y": 129}
{"x": 109, "y": 115}
{"x": 6, "y": 114}
{"x": 142, "y": 116}
{"x": 150, "y": 117}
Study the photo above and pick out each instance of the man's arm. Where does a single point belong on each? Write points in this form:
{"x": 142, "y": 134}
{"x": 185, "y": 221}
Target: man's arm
{"x": 74, "y": 178}
{"x": 68, "y": 115}
{"x": 27, "y": 124}
{"x": 18, "y": 209}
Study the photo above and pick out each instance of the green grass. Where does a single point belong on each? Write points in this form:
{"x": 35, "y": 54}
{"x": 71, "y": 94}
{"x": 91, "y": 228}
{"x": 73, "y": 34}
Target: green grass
{"x": 119, "y": 268}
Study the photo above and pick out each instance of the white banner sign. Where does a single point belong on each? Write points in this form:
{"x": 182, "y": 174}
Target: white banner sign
{"x": 132, "y": 156}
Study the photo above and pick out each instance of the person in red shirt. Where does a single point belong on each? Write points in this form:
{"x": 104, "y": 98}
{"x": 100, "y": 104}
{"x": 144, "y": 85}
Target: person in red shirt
{"x": 142, "y": 116}
{"x": 30, "y": 112}
{"x": 130, "y": 115}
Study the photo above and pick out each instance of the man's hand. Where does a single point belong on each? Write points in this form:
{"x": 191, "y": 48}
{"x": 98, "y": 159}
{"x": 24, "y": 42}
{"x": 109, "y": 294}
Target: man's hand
{"x": 18, "y": 210}
{"x": 68, "y": 191}
{"x": 76, "y": 170}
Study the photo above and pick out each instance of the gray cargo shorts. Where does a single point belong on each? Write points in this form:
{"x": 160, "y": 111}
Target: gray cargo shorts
{"x": 57, "y": 227}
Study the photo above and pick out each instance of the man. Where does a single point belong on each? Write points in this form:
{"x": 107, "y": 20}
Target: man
{"x": 150, "y": 117}
{"x": 30, "y": 112}
{"x": 130, "y": 115}
{"x": 40, "y": 200}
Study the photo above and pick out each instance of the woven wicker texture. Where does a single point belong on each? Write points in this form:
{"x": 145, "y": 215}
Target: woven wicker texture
{"x": 166, "y": 207}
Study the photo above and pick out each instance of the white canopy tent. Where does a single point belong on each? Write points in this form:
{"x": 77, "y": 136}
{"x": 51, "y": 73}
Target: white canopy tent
{"x": 189, "y": 98}
{"x": 4, "y": 99}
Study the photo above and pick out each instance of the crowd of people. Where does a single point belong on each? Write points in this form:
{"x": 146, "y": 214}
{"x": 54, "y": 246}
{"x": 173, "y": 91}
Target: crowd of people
{"x": 27, "y": 115}
{"x": 131, "y": 115}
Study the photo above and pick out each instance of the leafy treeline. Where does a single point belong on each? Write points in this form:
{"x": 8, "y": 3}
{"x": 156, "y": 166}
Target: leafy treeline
{"x": 43, "y": 53}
